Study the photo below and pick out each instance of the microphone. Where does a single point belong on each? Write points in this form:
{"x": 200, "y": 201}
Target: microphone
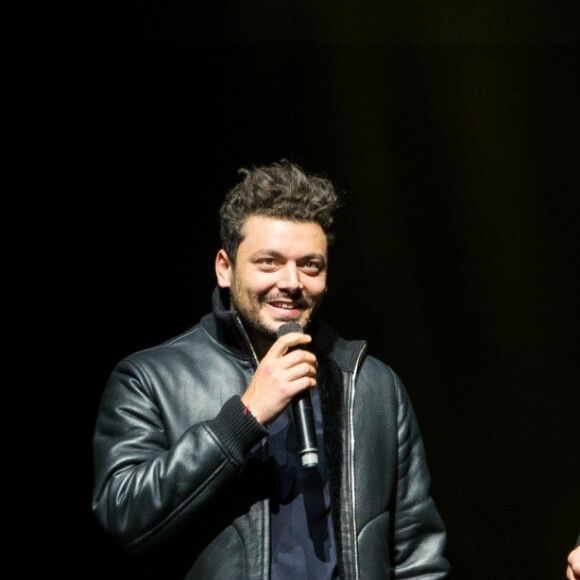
{"x": 303, "y": 415}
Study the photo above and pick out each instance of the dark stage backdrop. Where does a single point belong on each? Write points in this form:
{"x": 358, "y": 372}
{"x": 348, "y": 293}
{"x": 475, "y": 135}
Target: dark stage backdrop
{"x": 452, "y": 129}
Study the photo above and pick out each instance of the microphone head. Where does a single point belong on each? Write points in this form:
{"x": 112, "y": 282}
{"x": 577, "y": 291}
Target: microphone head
{"x": 289, "y": 327}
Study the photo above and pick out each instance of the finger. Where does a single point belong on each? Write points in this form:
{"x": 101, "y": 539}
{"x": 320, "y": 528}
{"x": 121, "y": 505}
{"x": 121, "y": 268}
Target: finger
{"x": 287, "y": 341}
{"x": 300, "y": 371}
{"x": 301, "y": 384}
{"x": 296, "y": 357}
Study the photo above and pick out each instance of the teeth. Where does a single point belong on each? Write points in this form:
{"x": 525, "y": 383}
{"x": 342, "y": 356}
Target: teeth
{"x": 284, "y": 305}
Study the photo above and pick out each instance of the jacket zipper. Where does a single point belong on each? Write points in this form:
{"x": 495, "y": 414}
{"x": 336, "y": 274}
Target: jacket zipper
{"x": 350, "y": 465}
{"x": 349, "y": 459}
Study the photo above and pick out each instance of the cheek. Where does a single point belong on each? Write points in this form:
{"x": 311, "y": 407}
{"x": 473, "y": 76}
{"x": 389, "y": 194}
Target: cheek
{"x": 315, "y": 286}
{"x": 258, "y": 282}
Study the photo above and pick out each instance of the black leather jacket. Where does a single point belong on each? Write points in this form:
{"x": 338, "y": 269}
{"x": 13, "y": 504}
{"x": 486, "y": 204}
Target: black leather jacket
{"x": 176, "y": 458}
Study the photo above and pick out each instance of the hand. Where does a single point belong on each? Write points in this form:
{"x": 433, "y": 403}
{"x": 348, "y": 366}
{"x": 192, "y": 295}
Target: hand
{"x": 279, "y": 376}
{"x": 573, "y": 570}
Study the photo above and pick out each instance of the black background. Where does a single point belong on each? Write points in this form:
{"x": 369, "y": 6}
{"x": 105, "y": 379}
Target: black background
{"x": 452, "y": 129}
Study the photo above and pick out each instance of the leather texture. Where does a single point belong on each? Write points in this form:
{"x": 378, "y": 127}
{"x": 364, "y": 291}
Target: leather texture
{"x": 176, "y": 459}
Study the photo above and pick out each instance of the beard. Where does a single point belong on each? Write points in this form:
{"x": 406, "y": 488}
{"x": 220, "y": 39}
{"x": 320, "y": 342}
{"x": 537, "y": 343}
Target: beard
{"x": 249, "y": 306}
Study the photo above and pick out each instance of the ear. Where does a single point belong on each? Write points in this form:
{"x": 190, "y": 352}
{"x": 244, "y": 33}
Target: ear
{"x": 223, "y": 269}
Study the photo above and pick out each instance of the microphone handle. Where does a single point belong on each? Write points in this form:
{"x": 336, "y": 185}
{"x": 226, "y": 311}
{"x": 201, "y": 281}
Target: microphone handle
{"x": 305, "y": 429}
{"x": 303, "y": 414}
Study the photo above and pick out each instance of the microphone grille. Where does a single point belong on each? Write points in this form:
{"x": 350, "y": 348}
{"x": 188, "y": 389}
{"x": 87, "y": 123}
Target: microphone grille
{"x": 289, "y": 327}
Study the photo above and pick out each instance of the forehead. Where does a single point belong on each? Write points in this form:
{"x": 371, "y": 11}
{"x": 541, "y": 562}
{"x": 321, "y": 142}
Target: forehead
{"x": 267, "y": 233}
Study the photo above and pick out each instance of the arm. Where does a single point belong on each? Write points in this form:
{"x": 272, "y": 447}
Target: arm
{"x": 165, "y": 451}
{"x": 420, "y": 535}
{"x": 151, "y": 480}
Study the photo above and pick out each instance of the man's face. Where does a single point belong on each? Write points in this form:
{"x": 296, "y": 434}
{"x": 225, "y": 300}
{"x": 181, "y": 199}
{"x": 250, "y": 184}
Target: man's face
{"x": 280, "y": 273}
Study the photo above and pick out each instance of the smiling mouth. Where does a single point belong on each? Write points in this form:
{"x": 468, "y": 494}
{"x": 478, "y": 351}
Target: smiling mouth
{"x": 286, "y": 302}
{"x": 285, "y": 305}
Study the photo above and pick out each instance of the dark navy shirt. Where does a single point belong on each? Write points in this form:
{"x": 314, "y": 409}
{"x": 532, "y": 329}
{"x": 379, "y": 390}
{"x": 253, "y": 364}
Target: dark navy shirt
{"x": 303, "y": 543}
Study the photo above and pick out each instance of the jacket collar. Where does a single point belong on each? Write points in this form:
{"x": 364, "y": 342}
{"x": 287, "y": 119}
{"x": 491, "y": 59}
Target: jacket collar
{"x": 227, "y": 327}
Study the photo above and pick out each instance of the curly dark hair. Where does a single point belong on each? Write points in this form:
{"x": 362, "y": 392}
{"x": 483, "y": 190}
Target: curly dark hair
{"x": 280, "y": 190}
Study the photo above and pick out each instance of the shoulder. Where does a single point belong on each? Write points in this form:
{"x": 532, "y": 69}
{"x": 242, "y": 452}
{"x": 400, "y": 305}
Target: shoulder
{"x": 183, "y": 348}
{"x": 377, "y": 367}
{"x": 181, "y": 341}
{"x": 381, "y": 375}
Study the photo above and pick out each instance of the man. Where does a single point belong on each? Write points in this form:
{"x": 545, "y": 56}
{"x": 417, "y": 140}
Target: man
{"x": 195, "y": 448}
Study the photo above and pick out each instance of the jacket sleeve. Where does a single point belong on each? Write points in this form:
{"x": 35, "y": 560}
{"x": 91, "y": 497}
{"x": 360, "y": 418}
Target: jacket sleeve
{"x": 420, "y": 535}
{"x": 150, "y": 484}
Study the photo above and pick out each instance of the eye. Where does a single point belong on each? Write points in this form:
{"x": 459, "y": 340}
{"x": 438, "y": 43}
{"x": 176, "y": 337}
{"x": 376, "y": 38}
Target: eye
{"x": 267, "y": 263}
{"x": 312, "y": 266}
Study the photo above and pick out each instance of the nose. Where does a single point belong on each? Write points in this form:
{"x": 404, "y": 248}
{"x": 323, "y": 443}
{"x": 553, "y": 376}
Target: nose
{"x": 290, "y": 278}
